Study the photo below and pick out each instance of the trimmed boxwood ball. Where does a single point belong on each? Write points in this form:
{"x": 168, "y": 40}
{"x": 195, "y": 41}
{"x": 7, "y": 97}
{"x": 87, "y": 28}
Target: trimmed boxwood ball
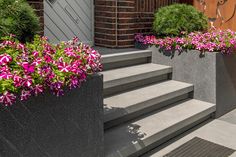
{"x": 174, "y": 19}
{"x": 18, "y": 17}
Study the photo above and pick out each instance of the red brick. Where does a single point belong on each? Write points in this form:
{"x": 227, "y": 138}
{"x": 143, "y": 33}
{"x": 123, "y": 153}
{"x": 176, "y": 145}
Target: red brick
{"x": 39, "y": 9}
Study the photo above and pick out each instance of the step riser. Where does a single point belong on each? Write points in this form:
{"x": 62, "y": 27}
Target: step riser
{"x": 152, "y": 107}
{"x": 143, "y": 146}
{"x": 116, "y": 89}
{"x": 126, "y": 63}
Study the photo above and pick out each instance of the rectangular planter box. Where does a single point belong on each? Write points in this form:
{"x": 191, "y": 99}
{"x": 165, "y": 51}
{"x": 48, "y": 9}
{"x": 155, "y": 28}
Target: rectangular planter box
{"x": 212, "y": 74}
{"x": 50, "y": 126}
{"x": 140, "y": 46}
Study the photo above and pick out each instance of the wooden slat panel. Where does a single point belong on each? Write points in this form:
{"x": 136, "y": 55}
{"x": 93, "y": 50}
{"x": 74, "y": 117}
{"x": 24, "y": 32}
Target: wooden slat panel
{"x": 68, "y": 18}
{"x": 57, "y": 31}
{"x": 58, "y": 20}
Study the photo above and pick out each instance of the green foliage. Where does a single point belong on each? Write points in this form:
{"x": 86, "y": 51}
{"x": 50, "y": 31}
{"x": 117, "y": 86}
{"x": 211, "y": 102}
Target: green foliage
{"x": 18, "y": 17}
{"x": 174, "y": 19}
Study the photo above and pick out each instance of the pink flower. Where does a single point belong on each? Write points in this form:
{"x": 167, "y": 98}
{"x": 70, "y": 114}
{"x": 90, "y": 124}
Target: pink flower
{"x": 8, "y": 43}
{"x": 25, "y": 95}
{"x": 74, "y": 82}
{"x": 7, "y": 98}
{"x": 17, "y": 80}
{"x": 5, "y": 59}
{"x": 35, "y": 53}
{"x": 64, "y": 67}
{"x": 5, "y": 75}
{"x": 38, "y": 89}
{"x": 70, "y": 52}
{"x": 27, "y": 81}
{"x": 21, "y": 47}
{"x": 47, "y": 58}
{"x": 4, "y": 69}
{"x": 32, "y": 67}
{"x": 28, "y": 68}
{"x": 36, "y": 62}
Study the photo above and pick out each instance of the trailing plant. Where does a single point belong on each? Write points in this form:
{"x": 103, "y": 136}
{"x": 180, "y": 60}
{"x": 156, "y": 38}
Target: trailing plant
{"x": 214, "y": 40}
{"x": 174, "y": 19}
{"x": 18, "y": 17}
{"x": 31, "y": 68}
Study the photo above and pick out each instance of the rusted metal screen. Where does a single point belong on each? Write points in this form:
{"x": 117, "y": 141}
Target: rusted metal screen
{"x": 221, "y": 13}
{"x": 152, "y": 5}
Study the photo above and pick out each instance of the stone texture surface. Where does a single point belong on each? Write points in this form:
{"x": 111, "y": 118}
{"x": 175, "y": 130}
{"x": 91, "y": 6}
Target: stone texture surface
{"x": 212, "y": 75}
{"x": 50, "y": 126}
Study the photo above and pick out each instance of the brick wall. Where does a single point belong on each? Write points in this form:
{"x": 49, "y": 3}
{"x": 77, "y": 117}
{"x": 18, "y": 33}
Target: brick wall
{"x": 116, "y": 21}
{"x": 38, "y": 6}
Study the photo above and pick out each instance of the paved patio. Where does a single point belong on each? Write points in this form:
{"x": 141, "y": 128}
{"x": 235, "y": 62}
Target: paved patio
{"x": 221, "y": 131}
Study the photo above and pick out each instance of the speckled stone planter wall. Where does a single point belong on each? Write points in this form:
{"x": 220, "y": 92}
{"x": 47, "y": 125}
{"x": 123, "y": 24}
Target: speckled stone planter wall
{"x": 50, "y": 126}
{"x": 212, "y": 74}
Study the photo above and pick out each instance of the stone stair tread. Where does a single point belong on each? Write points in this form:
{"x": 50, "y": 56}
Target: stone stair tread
{"x": 132, "y": 101}
{"x": 125, "y": 56}
{"x": 124, "y": 140}
{"x": 128, "y": 74}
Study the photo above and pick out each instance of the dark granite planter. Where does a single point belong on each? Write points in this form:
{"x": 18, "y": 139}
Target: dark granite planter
{"x": 140, "y": 46}
{"x": 50, "y": 126}
{"x": 213, "y": 75}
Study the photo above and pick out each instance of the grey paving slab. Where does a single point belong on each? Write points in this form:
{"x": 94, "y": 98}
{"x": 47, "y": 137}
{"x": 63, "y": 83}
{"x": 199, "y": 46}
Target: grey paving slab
{"x": 133, "y": 73}
{"x": 233, "y": 155}
{"x": 105, "y": 50}
{"x": 128, "y": 55}
{"x": 141, "y": 98}
{"x": 132, "y": 137}
{"x": 229, "y": 117}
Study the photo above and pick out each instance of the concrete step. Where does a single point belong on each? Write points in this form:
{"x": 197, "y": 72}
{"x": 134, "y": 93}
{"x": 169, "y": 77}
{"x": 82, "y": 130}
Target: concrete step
{"x": 122, "y": 79}
{"x": 117, "y": 60}
{"x": 129, "y": 105}
{"x": 137, "y": 137}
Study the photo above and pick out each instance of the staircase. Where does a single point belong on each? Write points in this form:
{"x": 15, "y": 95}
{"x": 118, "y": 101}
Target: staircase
{"x": 143, "y": 107}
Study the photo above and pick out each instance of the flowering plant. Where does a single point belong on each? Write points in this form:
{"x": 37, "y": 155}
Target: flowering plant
{"x": 28, "y": 69}
{"x": 214, "y": 40}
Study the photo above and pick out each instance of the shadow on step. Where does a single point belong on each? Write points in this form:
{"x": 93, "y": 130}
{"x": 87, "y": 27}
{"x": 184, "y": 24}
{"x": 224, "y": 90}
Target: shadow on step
{"x": 132, "y": 139}
{"x": 127, "y": 138}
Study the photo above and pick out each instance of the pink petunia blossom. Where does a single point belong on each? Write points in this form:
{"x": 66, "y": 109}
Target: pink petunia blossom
{"x": 5, "y": 59}
{"x": 25, "y": 95}
{"x": 70, "y": 52}
{"x": 64, "y": 67}
{"x": 35, "y": 53}
{"x": 27, "y": 81}
{"x": 29, "y": 68}
{"x": 33, "y": 67}
{"x": 38, "y": 89}
{"x": 48, "y": 58}
{"x": 7, "y": 98}
{"x": 5, "y": 75}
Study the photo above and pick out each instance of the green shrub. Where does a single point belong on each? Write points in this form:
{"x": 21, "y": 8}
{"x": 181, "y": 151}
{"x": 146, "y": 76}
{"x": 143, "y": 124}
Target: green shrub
{"x": 172, "y": 20}
{"x": 18, "y": 17}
